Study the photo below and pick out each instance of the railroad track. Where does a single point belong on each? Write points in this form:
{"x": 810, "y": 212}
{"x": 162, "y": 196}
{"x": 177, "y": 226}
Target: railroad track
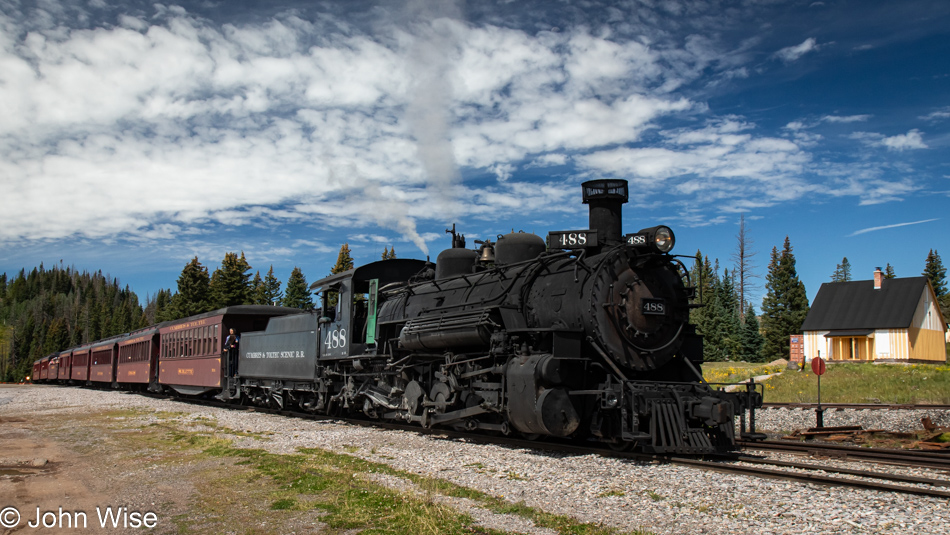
{"x": 911, "y": 458}
{"x": 728, "y": 463}
{"x": 870, "y": 406}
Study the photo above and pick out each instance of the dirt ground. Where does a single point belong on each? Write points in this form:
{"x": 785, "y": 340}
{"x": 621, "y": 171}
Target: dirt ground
{"x": 51, "y": 466}
{"x": 61, "y": 461}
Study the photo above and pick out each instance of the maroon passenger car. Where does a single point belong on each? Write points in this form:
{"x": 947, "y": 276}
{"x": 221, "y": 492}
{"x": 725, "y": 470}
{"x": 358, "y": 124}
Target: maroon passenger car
{"x": 37, "y": 366}
{"x": 52, "y": 368}
{"x": 192, "y": 360}
{"x": 65, "y": 366}
{"x": 138, "y": 357}
{"x": 102, "y": 361}
{"x": 44, "y": 368}
{"x": 80, "y": 370}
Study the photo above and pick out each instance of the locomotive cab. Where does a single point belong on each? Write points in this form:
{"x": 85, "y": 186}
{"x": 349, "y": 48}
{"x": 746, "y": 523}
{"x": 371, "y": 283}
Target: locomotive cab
{"x": 349, "y": 303}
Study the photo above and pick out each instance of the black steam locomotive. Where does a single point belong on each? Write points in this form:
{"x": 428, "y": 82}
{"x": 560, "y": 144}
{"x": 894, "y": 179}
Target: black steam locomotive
{"x": 583, "y": 335}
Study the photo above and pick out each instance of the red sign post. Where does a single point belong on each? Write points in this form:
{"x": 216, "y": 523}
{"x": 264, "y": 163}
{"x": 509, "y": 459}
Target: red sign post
{"x": 818, "y": 366}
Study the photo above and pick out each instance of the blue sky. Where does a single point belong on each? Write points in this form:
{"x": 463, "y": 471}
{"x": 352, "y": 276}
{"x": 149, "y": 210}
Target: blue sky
{"x": 136, "y": 135}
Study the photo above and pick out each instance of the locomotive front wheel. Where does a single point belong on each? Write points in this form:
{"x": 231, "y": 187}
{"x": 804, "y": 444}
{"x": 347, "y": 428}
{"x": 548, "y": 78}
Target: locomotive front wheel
{"x": 621, "y": 445}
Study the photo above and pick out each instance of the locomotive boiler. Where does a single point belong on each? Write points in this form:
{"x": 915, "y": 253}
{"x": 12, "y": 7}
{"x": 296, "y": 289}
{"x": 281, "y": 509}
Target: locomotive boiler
{"x": 584, "y": 335}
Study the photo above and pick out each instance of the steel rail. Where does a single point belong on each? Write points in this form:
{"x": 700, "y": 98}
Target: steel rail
{"x": 811, "y": 478}
{"x": 848, "y": 471}
{"x": 870, "y": 406}
{"x": 918, "y": 459}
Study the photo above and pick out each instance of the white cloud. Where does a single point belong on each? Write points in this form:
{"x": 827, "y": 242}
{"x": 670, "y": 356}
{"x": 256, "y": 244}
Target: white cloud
{"x": 168, "y": 121}
{"x": 911, "y": 140}
{"x": 502, "y": 170}
{"x": 938, "y": 115}
{"x": 895, "y": 225}
{"x": 549, "y": 160}
{"x": 845, "y": 119}
{"x": 794, "y": 53}
{"x": 721, "y": 165}
{"x": 231, "y": 124}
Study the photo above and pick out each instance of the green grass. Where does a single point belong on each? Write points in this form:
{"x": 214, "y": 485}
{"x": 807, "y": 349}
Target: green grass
{"x": 335, "y": 485}
{"x": 864, "y": 383}
{"x": 843, "y": 382}
{"x": 736, "y": 372}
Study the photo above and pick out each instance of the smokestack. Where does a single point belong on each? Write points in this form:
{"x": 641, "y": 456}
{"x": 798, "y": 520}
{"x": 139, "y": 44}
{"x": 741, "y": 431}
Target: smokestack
{"x": 606, "y": 199}
{"x": 878, "y": 278}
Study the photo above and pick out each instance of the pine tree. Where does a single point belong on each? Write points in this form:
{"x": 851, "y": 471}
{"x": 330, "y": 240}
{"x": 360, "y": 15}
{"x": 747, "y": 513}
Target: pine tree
{"x": 230, "y": 284}
{"x": 889, "y": 272}
{"x": 752, "y": 341}
{"x": 272, "y": 287}
{"x": 934, "y": 270}
{"x": 344, "y": 261}
{"x": 157, "y": 307}
{"x": 744, "y": 266}
{"x": 714, "y": 330}
{"x": 267, "y": 291}
{"x": 57, "y": 336}
{"x": 709, "y": 318}
{"x": 257, "y": 289}
{"x": 937, "y": 274}
{"x": 194, "y": 291}
{"x": 703, "y": 278}
{"x": 731, "y": 329}
{"x": 785, "y": 305}
{"x": 842, "y": 271}
{"x": 298, "y": 293}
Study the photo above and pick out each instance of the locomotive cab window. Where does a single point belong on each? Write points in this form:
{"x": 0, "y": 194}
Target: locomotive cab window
{"x": 360, "y": 315}
{"x": 330, "y": 302}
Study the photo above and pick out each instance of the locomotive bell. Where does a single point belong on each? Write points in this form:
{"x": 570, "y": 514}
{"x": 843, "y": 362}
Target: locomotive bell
{"x": 606, "y": 199}
{"x": 486, "y": 253}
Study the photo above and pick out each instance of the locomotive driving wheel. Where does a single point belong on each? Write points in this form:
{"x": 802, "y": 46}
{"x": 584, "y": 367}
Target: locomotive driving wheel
{"x": 413, "y": 396}
{"x": 440, "y": 394}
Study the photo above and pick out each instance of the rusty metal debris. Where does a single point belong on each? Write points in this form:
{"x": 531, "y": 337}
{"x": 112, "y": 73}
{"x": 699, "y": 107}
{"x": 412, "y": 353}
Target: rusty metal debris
{"x": 938, "y": 438}
{"x": 933, "y": 438}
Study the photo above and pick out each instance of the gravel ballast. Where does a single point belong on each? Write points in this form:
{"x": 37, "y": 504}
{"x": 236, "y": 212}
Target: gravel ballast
{"x": 661, "y": 499}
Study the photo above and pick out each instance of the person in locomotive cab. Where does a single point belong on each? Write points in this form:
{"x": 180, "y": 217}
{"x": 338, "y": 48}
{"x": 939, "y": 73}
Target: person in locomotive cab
{"x": 231, "y": 347}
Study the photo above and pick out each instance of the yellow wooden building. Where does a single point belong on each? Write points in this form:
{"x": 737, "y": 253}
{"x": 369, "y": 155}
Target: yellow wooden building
{"x": 894, "y": 320}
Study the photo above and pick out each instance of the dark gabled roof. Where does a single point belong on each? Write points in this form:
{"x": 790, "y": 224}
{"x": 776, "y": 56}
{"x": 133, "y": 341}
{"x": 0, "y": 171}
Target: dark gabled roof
{"x": 857, "y": 305}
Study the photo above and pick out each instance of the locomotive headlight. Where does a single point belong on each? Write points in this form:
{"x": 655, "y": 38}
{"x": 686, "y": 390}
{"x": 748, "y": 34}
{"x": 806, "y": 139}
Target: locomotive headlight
{"x": 663, "y": 239}
{"x": 659, "y": 238}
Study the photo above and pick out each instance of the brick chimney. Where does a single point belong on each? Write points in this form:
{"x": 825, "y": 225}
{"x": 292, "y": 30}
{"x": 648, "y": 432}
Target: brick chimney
{"x": 878, "y": 278}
